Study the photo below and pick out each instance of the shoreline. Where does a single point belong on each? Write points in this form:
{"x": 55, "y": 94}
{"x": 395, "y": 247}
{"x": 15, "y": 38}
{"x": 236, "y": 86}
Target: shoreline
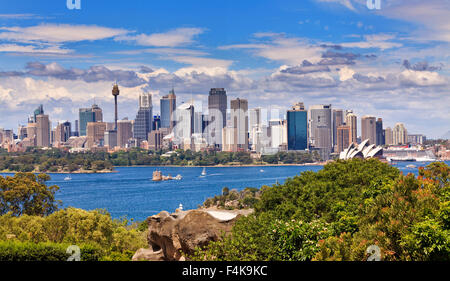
{"x": 227, "y": 165}
{"x": 171, "y": 166}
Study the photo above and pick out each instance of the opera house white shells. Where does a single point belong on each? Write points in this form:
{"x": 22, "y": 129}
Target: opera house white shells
{"x": 364, "y": 151}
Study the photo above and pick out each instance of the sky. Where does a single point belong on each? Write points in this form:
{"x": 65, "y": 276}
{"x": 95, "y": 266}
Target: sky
{"x": 391, "y": 62}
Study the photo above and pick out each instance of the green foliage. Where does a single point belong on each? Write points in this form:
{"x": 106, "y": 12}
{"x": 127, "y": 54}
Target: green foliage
{"x": 73, "y": 226}
{"x": 47, "y": 251}
{"x": 338, "y": 212}
{"x": 26, "y": 193}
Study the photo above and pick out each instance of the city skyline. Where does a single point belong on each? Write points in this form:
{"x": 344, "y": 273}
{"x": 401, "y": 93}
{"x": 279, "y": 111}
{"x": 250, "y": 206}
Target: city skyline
{"x": 390, "y": 63}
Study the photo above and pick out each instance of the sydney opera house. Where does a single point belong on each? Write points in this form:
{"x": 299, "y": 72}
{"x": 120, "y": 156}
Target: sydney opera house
{"x": 364, "y": 151}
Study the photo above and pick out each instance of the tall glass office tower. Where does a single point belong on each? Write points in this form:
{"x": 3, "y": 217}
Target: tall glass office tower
{"x": 168, "y": 106}
{"x": 143, "y": 121}
{"x": 297, "y": 123}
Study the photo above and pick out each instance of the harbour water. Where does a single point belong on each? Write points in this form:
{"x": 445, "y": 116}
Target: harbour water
{"x": 131, "y": 193}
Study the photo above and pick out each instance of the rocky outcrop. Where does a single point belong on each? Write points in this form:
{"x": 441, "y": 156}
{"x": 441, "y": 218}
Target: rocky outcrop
{"x": 171, "y": 236}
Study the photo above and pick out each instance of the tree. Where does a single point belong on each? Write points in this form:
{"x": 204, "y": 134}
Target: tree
{"x": 26, "y": 193}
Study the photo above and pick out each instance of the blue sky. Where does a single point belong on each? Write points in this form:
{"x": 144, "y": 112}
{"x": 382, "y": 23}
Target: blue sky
{"x": 391, "y": 63}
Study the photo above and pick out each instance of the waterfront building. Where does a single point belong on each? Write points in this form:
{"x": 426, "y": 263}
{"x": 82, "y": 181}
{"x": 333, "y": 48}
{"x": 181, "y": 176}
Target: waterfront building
{"x": 368, "y": 129}
{"x": 239, "y": 121}
{"x": 416, "y": 139}
{"x": 400, "y": 134}
{"x": 297, "y": 127}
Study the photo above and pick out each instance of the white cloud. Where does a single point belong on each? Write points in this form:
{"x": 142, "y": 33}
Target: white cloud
{"x": 58, "y": 33}
{"x": 378, "y": 41}
{"x": 278, "y": 47}
{"x": 173, "y": 38}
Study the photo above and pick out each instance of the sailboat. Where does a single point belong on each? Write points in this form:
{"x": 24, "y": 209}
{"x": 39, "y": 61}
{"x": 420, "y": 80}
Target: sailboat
{"x": 203, "y": 172}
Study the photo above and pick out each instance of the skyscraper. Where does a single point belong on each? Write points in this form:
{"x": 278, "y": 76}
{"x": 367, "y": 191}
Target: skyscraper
{"x": 143, "y": 122}
{"x": 39, "y": 110}
{"x": 368, "y": 129}
{"x": 124, "y": 132}
{"x": 380, "y": 132}
{"x": 343, "y": 134}
{"x": 184, "y": 127}
{"x": 98, "y": 113}
{"x": 320, "y": 126}
{"x": 239, "y": 119}
{"x": 95, "y": 134}
{"x": 388, "y": 136}
{"x": 217, "y": 107}
{"x": 400, "y": 134}
{"x": 297, "y": 127}
{"x": 338, "y": 120}
{"x": 42, "y": 130}
{"x": 168, "y": 106}
{"x": 115, "y": 93}
{"x": 351, "y": 120}
{"x": 86, "y": 115}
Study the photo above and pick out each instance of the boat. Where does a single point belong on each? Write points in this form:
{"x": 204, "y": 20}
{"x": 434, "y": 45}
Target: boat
{"x": 178, "y": 177}
{"x": 411, "y": 166}
{"x": 68, "y": 178}
{"x": 203, "y": 172}
{"x": 262, "y": 171}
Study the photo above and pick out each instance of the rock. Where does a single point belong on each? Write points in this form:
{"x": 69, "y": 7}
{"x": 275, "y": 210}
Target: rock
{"x": 148, "y": 255}
{"x": 180, "y": 233}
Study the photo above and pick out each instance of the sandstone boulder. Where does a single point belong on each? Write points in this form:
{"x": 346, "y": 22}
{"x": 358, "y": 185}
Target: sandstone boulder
{"x": 175, "y": 235}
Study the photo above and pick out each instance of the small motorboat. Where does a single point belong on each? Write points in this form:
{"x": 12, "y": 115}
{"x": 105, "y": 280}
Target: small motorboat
{"x": 68, "y": 178}
{"x": 262, "y": 171}
{"x": 411, "y": 166}
{"x": 178, "y": 177}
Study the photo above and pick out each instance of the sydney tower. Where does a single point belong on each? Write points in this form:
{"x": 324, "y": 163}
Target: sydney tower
{"x": 115, "y": 93}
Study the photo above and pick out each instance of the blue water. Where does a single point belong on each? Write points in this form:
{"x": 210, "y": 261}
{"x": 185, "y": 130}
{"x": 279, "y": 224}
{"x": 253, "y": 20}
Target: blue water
{"x": 131, "y": 193}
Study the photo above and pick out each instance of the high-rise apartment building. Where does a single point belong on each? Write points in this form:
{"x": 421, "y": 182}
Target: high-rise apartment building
{"x": 168, "y": 106}
{"x": 400, "y": 134}
{"x": 351, "y": 120}
{"x": 297, "y": 127}
{"x": 368, "y": 129}
{"x": 239, "y": 120}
